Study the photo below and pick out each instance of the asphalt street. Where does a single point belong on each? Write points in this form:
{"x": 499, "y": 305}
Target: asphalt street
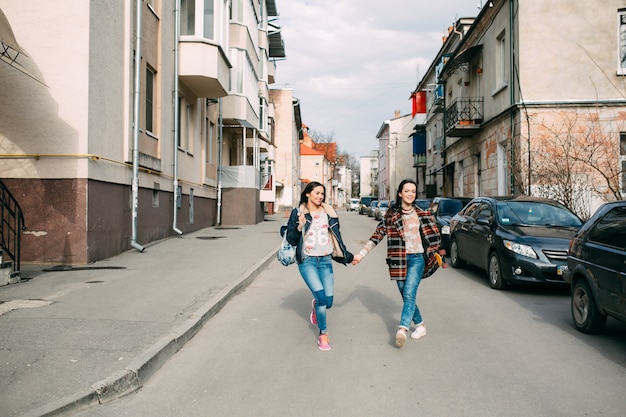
{"x": 487, "y": 352}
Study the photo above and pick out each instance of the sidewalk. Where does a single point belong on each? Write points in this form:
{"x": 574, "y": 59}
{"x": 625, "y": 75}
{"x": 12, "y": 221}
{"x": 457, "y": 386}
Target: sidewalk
{"x": 70, "y": 338}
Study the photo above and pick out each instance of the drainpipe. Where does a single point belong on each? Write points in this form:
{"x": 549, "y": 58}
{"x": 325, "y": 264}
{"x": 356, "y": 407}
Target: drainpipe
{"x": 219, "y": 165}
{"x": 135, "y": 180}
{"x": 176, "y": 118}
{"x": 512, "y": 96}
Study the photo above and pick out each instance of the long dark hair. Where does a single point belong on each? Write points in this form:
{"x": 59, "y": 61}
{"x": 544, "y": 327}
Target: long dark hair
{"x": 398, "y": 202}
{"x": 307, "y": 190}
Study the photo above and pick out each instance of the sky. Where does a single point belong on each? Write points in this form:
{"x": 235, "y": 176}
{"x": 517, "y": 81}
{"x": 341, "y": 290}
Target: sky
{"x": 353, "y": 63}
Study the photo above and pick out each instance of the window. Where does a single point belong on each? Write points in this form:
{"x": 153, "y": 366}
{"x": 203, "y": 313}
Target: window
{"x": 187, "y": 17}
{"x": 484, "y": 211}
{"x": 501, "y": 60}
{"x": 205, "y": 19}
{"x": 189, "y": 127}
{"x": 150, "y": 99}
{"x": 611, "y": 229}
{"x": 209, "y": 19}
{"x": 155, "y": 194}
{"x": 209, "y": 141}
{"x": 621, "y": 41}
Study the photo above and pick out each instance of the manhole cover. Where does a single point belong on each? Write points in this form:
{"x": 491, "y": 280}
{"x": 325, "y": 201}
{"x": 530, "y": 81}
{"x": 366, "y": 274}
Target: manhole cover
{"x": 94, "y": 282}
{"x": 227, "y": 228}
{"x": 209, "y": 237}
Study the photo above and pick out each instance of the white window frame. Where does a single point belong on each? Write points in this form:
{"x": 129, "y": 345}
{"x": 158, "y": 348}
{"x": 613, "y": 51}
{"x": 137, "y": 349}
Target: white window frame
{"x": 621, "y": 41}
{"x": 149, "y": 99}
{"x": 501, "y": 60}
{"x": 194, "y": 13}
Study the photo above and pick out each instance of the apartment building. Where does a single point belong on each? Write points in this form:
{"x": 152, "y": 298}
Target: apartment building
{"x": 529, "y": 98}
{"x": 368, "y": 176}
{"x": 288, "y": 134}
{"x": 395, "y": 154}
{"x": 139, "y": 120}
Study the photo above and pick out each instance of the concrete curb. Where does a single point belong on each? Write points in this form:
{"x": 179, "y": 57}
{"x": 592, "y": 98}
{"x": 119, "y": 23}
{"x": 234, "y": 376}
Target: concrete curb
{"x": 145, "y": 365}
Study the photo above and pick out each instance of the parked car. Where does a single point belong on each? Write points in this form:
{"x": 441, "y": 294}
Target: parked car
{"x": 364, "y": 203}
{"x": 443, "y": 208}
{"x": 381, "y": 209}
{"x": 523, "y": 239}
{"x": 372, "y": 207}
{"x": 423, "y": 203}
{"x": 354, "y": 204}
{"x": 597, "y": 269}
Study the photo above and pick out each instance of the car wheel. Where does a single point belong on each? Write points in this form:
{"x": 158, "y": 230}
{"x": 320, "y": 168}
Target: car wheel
{"x": 455, "y": 259}
{"x": 587, "y": 318}
{"x": 495, "y": 273}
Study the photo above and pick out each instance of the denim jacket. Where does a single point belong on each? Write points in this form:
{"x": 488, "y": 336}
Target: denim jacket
{"x": 294, "y": 236}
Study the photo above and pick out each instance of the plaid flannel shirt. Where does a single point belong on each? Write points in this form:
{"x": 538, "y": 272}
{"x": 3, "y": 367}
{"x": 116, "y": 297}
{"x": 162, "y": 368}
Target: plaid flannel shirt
{"x": 392, "y": 227}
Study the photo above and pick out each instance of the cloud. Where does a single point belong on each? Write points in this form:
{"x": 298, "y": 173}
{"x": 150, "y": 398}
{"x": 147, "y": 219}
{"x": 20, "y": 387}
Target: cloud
{"x": 352, "y": 63}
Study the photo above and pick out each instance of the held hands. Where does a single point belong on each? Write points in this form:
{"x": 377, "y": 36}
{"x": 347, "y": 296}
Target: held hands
{"x": 357, "y": 259}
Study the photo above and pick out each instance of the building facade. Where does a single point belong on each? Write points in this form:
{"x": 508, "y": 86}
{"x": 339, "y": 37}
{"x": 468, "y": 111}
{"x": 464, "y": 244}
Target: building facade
{"x": 288, "y": 133}
{"x": 528, "y": 98}
{"x": 141, "y": 120}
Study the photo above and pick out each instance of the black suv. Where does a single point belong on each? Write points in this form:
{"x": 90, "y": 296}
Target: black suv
{"x": 443, "y": 208}
{"x": 521, "y": 239}
{"x": 597, "y": 268}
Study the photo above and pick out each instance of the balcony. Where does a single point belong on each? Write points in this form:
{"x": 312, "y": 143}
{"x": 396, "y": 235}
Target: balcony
{"x": 204, "y": 69}
{"x": 419, "y": 161}
{"x": 464, "y": 117}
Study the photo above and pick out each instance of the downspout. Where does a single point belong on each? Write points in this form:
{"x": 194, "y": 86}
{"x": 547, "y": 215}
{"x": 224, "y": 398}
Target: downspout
{"x": 135, "y": 179}
{"x": 219, "y": 165}
{"x": 176, "y": 118}
{"x": 512, "y": 97}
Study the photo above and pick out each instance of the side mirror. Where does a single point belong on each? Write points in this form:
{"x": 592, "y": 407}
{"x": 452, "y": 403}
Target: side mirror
{"x": 484, "y": 221}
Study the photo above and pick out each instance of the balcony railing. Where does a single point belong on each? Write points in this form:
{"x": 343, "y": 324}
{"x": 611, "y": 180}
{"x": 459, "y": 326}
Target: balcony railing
{"x": 11, "y": 227}
{"x": 241, "y": 176}
{"x": 464, "y": 116}
{"x": 419, "y": 160}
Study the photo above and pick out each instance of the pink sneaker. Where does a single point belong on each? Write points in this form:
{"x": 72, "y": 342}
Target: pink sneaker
{"x": 313, "y": 316}
{"x": 322, "y": 342}
{"x": 400, "y": 337}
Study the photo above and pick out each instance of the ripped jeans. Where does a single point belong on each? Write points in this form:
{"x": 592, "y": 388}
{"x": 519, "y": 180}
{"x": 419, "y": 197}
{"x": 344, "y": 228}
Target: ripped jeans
{"x": 408, "y": 289}
{"x": 317, "y": 272}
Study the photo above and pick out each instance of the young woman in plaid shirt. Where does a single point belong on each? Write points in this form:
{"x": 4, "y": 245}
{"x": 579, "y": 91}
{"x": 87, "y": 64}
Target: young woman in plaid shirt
{"x": 412, "y": 244}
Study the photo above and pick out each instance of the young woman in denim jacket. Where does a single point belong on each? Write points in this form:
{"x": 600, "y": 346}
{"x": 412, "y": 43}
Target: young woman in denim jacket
{"x": 413, "y": 241}
{"x": 313, "y": 228}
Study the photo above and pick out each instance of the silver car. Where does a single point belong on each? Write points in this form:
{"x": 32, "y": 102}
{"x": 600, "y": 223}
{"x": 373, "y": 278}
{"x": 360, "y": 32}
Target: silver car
{"x": 381, "y": 209}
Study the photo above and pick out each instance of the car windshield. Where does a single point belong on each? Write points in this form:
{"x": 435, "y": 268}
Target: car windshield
{"x": 450, "y": 207}
{"x": 531, "y": 213}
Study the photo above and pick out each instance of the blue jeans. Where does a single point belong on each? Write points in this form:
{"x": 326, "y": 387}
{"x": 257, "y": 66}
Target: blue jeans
{"x": 408, "y": 290}
{"x": 317, "y": 272}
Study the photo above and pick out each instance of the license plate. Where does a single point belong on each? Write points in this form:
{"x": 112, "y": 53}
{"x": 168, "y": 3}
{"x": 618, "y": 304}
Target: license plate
{"x": 560, "y": 269}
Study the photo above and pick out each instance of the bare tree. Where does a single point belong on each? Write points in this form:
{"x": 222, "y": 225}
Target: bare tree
{"x": 574, "y": 158}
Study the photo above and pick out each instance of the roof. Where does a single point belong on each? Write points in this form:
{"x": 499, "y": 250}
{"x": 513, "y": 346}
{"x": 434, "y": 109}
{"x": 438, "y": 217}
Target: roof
{"x": 305, "y": 150}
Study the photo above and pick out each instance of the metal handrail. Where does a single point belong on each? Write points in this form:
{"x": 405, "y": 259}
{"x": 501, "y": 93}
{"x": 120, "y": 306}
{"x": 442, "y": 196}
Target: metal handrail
{"x": 11, "y": 226}
{"x": 470, "y": 109}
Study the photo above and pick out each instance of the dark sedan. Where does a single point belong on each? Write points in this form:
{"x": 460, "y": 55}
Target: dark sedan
{"x": 523, "y": 239}
{"x": 597, "y": 269}
{"x": 443, "y": 208}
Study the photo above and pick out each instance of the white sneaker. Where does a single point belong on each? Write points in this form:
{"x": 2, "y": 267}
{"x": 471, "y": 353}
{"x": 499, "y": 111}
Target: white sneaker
{"x": 419, "y": 331}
